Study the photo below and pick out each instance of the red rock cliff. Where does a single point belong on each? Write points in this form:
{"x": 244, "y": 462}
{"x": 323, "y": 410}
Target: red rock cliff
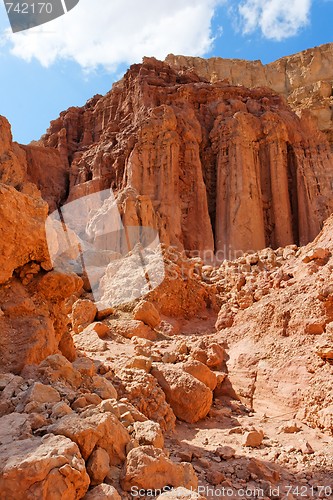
{"x": 213, "y": 166}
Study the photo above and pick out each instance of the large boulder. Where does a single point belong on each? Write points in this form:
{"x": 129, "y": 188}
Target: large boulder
{"x": 189, "y": 398}
{"x": 143, "y": 391}
{"x": 43, "y": 468}
{"x": 147, "y": 468}
{"x": 201, "y": 372}
{"x": 100, "y": 429}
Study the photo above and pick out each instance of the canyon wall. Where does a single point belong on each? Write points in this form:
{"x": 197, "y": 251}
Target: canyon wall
{"x": 213, "y": 166}
{"x": 305, "y": 79}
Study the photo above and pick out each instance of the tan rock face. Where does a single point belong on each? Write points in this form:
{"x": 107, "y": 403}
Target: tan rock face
{"x": 211, "y": 166}
{"x": 18, "y": 210}
{"x": 305, "y": 79}
{"x": 33, "y": 321}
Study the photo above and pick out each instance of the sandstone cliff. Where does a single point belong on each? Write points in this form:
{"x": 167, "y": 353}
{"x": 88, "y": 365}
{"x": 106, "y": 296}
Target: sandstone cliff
{"x": 212, "y": 166}
{"x": 33, "y": 319}
{"x": 305, "y": 79}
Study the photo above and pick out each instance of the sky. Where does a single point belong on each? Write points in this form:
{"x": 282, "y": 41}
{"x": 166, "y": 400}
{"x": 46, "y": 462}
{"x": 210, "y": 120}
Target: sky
{"x": 45, "y": 70}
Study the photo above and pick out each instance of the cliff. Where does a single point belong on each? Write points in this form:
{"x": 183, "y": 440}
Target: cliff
{"x": 304, "y": 79}
{"x": 211, "y": 165}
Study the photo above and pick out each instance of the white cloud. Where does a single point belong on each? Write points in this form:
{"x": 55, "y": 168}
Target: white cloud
{"x": 277, "y": 19}
{"x": 111, "y": 32}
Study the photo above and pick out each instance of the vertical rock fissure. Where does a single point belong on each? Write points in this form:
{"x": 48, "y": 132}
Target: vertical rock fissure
{"x": 266, "y": 192}
{"x": 293, "y": 190}
{"x": 209, "y": 172}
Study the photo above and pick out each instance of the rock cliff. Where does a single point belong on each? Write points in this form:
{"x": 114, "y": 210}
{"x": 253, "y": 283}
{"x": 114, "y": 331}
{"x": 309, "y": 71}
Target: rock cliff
{"x": 33, "y": 319}
{"x": 305, "y": 79}
{"x": 213, "y": 166}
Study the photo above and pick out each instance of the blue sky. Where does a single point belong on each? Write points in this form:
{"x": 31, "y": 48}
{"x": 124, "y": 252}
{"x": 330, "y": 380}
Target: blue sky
{"x": 65, "y": 62}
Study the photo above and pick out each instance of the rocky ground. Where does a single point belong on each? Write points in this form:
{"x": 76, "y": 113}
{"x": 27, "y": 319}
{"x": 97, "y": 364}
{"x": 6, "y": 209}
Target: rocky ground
{"x": 150, "y": 400}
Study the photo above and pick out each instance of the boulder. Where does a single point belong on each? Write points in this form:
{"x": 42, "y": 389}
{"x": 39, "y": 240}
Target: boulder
{"x": 57, "y": 368}
{"x": 253, "y": 439}
{"x": 85, "y": 366}
{"x": 147, "y": 468}
{"x": 103, "y": 387}
{"x": 263, "y": 470}
{"x": 201, "y": 372}
{"x": 146, "y": 311}
{"x": 67, "y": 347}
{"x": 98, "y": 466}
{"x": 88, "y": 340}
{"x": 189, "y": 398}
{"x": 317, "y": 254}
{"x": 225, "y": 452}
{"x": 132, "y": 328}
{"x": 103, "y": 492}
{"x": 83, "y": 314}
{"x": 41, "y": 393}
{"x": 13, "y": 427}
{"x": 99, "y": 429}
{"x": 209, "y": 353}
{"x": 32, "y": 322}
{"x": 148, "y": 433}
{"x": 140, "y": 363}
{"x": 142, "y": 391}
{"x": 43, "y": 468}
{"x": 101, "y": 329}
